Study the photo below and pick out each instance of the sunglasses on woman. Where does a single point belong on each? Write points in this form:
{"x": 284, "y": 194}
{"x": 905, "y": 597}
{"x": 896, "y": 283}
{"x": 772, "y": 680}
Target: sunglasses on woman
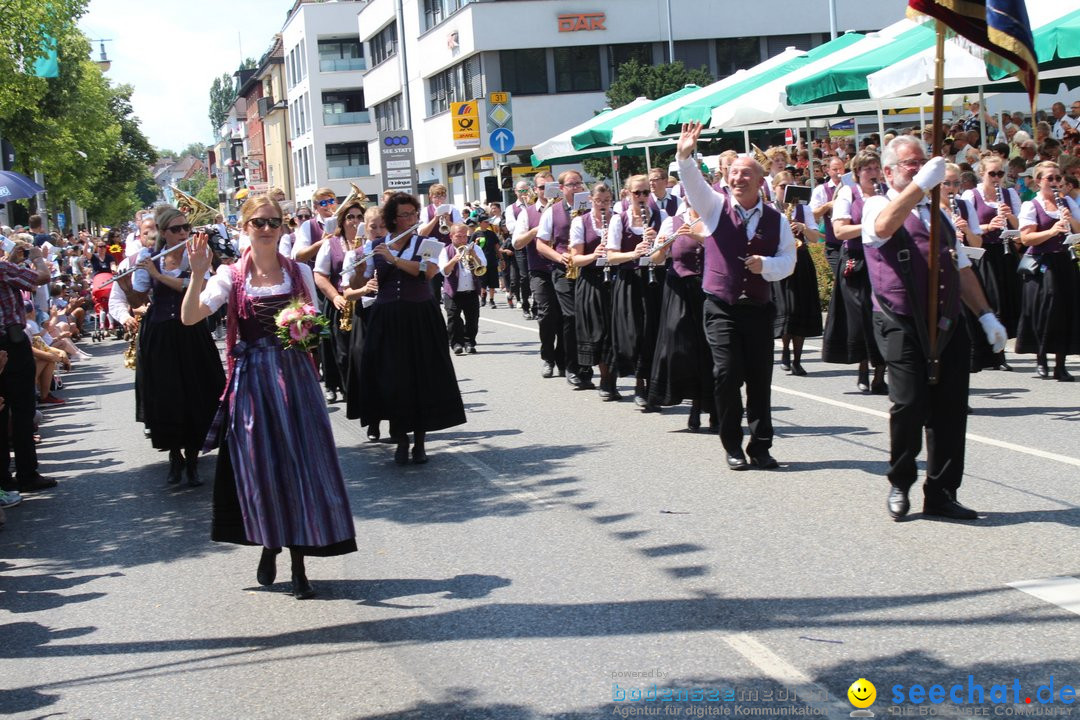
{"x": 186, "y": 227}
{"x": 303, "y": 217}
{"x": 641, "y": 193}
{"x": 996, "y": 173}
{"x": 354, "y": 218}
{"x": 1052, "y": 178}
{"x": 261, "y": 223}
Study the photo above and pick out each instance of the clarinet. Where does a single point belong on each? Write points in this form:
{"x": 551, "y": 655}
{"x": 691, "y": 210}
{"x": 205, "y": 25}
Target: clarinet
{"x": 603, "y": 239}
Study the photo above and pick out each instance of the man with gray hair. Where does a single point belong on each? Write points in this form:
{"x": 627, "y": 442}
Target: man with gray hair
{"x": 896, "y": 237}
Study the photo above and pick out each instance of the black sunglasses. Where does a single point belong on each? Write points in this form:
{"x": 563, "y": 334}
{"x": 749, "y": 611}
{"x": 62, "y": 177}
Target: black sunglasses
{"x": 996, "y": 173}
{"x": 304, "y": 216}
{"x": 261, "y": 223}
{"x": 186, "y": 227}
{"x": 641, "y": 193}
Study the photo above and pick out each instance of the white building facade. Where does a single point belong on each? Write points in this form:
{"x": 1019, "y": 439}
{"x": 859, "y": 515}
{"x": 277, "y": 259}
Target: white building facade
{"x": 330, "y": 127}
{"x": 556, "y": 58}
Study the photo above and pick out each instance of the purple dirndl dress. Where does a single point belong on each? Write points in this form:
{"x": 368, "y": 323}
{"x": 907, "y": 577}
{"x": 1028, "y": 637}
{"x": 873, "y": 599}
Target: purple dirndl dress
{"x": 278, "y": 482}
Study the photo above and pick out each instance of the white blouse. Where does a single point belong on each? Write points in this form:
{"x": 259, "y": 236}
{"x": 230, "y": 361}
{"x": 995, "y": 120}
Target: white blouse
{"x": 219, "y": 286}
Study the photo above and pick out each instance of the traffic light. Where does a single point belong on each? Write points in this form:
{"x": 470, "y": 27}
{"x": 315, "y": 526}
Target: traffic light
{"x": 506, "y": 177}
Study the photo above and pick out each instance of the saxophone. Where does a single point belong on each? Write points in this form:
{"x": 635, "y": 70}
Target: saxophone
{"x": 129, "y": 354}
{"x": 345, "y": 321}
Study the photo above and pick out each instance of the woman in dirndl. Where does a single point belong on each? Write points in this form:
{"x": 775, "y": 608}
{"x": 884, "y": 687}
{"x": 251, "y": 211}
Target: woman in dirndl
{"x": 360, "y": 289}
{"x": 406, "y": 375}
{"x": 849, "y": 328}
{"x": 278, "y": 483}
{"x": 592, "y": 296}
{"x": 182, "y": 377}
{"x": 1050, "y": 307}
{"x": 682, "y": 366}
{"x": 798, "y": 305}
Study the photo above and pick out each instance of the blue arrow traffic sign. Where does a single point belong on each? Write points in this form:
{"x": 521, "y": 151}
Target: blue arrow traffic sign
{"x": 501, "y": 141}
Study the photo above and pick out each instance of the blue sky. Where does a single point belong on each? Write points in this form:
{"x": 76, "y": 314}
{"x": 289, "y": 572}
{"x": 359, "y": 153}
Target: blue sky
{"x": 172, "y": 51}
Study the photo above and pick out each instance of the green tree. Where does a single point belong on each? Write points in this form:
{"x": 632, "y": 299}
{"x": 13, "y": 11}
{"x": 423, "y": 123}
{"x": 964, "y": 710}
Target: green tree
{"x": 193, "y": 184}
{"x": 208, "y": 193}
{"x": 222, "y": 97}
{"x": 195, "y": 149}
{"x": 635, "y": 80}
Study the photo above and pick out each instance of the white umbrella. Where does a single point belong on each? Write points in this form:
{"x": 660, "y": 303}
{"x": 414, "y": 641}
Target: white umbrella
{"x": 562, "y": 146}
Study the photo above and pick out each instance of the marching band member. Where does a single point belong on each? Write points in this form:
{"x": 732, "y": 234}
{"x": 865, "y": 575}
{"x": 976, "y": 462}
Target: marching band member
{"x": 542, "y": 261}
{"x": 278, "y": 483}
{"x": 361, "y": 288}
{"x": 630, "y": 238}
{"x": 682, "y": 364}
{"x": 182, "y": 375}
{"x": 520, "y": 257}
{"x": 437, "y": 225}
{"x": 896, "y": 240}
{"x": 849, "y": 328}
{"x": 997, "y": 208}
{"x": 798, "y": 304}
{"x": 662, "y": 199}
{"x": 748, "y": 245}
{"x": 306, "y": 245}
{"x": 329, "y": 261}
{"x": 553, "y": 241}
{"x": 461, "y": 289}
{"x": 1050, "y": 310}
{"x": 406, "y": 374}
{"x": 592, "y": 298}
{"x": 821, "y": 202}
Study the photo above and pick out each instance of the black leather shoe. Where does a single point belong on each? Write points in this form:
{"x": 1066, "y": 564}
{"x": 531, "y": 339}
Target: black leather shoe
{"x": 331, "y": 396}
{"x": 34, "y": 483}
{"x": 470, "y": 348}
{"x": 267, "y": 572}
{"x": 879, "y": 387}
{"x": 458, "y": 350}
{"x": 301, "y": 587}
{"x": 401, "y": 455}
{"x": 641, "y": 401}
{"x": 176, "y": 466}
{"x": 693, "y": 423}
{"x": 785, "y": 361}
{"x": 193, "y": 479}
{"x": 765, "y": 461}
{"x": 609, "y": 394}
{"x": 573, "y": 379}
{"x": 373, "y": 433}
{"x": 526, "y": 314}
{"x": 898, "y": 503}
{"x": 1042, "y": 371}
{"x": 1004, "y": 366}
{"x": 863, "y": 381}
{"x": 1062, "y": 375}
{"x": 737, "y": 462}
{"x": 797, "y": 369}
{"x": 419, "y": 455}
{"x": 547, "y": 370}
{"x": 949, "y": 508}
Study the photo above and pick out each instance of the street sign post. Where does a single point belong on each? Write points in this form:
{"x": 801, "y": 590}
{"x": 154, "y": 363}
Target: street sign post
{"x": 398, "y": 161}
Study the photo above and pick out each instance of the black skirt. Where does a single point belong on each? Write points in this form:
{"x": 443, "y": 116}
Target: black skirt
{"x": 798, "y": 306}
{"x": 333, "y": 348}
{"x": 849, "y": 328}
{"x": 982, "y": 353}
{"x": 1050, "y": 320}
{"x": 406, "y": 374}
{"x": 182, "y": 379}
{"x": 592, "y": 317}
{"x": 1001, "y": 283}
{"x": 627, "y": 321}
{"x": 682, "y": 364}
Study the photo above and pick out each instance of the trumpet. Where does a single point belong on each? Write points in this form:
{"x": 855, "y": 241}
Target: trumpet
{"x": 444, "y": 224}
{"x": 469, "y": 261}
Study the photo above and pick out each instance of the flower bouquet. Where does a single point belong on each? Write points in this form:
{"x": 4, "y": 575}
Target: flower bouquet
{"x": 300, "y": 326}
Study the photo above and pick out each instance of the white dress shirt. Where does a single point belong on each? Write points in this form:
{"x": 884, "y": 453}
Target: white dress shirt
{"x": 218, "y": 287}
{"x": 873, "y": 207}
{"x": 466, "y": 280}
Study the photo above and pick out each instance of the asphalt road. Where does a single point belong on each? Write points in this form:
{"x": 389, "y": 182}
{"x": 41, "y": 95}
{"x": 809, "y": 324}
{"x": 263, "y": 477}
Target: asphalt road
{"x": 555, "y": 553}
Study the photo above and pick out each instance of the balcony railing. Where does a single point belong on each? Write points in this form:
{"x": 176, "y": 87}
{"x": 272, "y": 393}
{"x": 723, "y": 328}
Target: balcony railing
{"x": 348, "y": 171}
{"x": 346, "y": 118}
{"x": 341, "y": 65}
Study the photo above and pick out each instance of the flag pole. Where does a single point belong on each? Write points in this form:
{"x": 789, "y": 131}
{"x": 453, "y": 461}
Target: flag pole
{"x": 933, "y": 278}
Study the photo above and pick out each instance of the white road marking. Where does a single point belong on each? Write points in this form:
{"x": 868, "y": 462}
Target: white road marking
{"x": 784, "y": 673}
{"x": 1061, "y": 591}
{"x": 1034, "y": 452}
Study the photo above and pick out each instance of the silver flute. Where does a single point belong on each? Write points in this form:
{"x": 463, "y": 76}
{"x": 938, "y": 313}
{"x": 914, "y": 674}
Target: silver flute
{"x": 360, "y": 261}
{"x": 129, "y": 271}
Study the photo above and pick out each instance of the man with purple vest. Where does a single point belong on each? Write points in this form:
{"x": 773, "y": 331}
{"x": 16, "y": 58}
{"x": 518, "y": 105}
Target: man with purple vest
{"x": 553, "y": 234}
{"x": 896, "y": 239}
{"x": 542, "y": 260}
{"x": 748, "y": 246}
{"x": 432, "y": 219}
{"x": 460, "y": 289}
{"x": 821, "y": 202}
{"x": 520, "y": 257}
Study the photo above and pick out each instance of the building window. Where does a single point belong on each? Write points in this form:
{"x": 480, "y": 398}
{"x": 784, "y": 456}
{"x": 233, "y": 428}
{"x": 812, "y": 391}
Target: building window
{"x": 524, "y": 72}
{"x": 384, "y": 44}
{"x": 693, "y": 53}
{"x": 577, "y": 69}
{"x": 435, "y": 11}
{"x": 460, "y": 82}
{"x": 347, "y": 160}
{"x": 739, "y": 53}
{"x": 388, "y": 115}
{"x": 344, "y": 107}
{"x": 302, "y": 59}
{"x": 619, "y": 54}
{"x": 339, "y": 55}
{"x": 777, "y": 43}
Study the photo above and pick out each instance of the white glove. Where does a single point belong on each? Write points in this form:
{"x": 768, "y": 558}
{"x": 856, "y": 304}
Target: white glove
{"x": 448, "y": 209}
{"x": 995, "y": 331}
{"x": 931, "y": 174}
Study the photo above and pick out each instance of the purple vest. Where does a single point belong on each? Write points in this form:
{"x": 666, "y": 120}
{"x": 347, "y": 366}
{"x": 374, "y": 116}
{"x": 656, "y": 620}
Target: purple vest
{"x": 985, "y": 213}
{"x": 395, "y": 284}
{"x": 337, "y": 259}
{"x": 560, "y": 227}
{"x": 445, "y": 238}
{"x": 1044, "y": 222}
{"x": 537, "y": 262}
{"x": 591, "y": 237}
{"x": 687, "y": 257}
{"x": 670, "y": 205}
{"x": 884, "y": 266}
{"x": 725, "y": 276}
{"x": 450, "y": 282}
{"x": 630, "y": 239}
{"x": 830, "y": 236}
{"x": 316, "y": 235}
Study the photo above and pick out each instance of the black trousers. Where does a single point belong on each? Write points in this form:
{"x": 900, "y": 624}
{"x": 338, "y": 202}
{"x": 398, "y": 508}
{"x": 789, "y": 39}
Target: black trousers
{"x": 511, "y": 277}
{"x": 17, "y": 388}
{"x": 462, "y": 317}
{"x": 521, "y": 259}
{"x": 832, "y": 255}
{"x": 549, "y": 318}
{"x": 564, "y": 292}
{"x": 941, "y": 409}
{"x": 740, "y": 339}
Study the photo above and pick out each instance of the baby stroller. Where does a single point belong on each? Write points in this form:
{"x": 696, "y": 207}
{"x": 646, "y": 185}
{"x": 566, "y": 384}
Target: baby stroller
{"x": 100, "y": 294}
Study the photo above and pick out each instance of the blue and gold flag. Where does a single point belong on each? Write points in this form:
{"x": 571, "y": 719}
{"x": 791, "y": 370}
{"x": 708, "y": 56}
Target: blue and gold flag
{"x": 999, "y": 26}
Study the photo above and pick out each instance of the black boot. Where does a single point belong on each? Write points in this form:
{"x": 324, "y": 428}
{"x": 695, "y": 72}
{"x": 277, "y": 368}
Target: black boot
{"x": 301, "y": 587}
{"x": 785, "y": 360}
{"x": 401, "y": 455}
{"x": 693, "y": 423}
{"x": 192, "y": 466}
{"x": 176, "y": 466}
{"x": 419, "y": 455}
{"x": 267, "y": 572}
